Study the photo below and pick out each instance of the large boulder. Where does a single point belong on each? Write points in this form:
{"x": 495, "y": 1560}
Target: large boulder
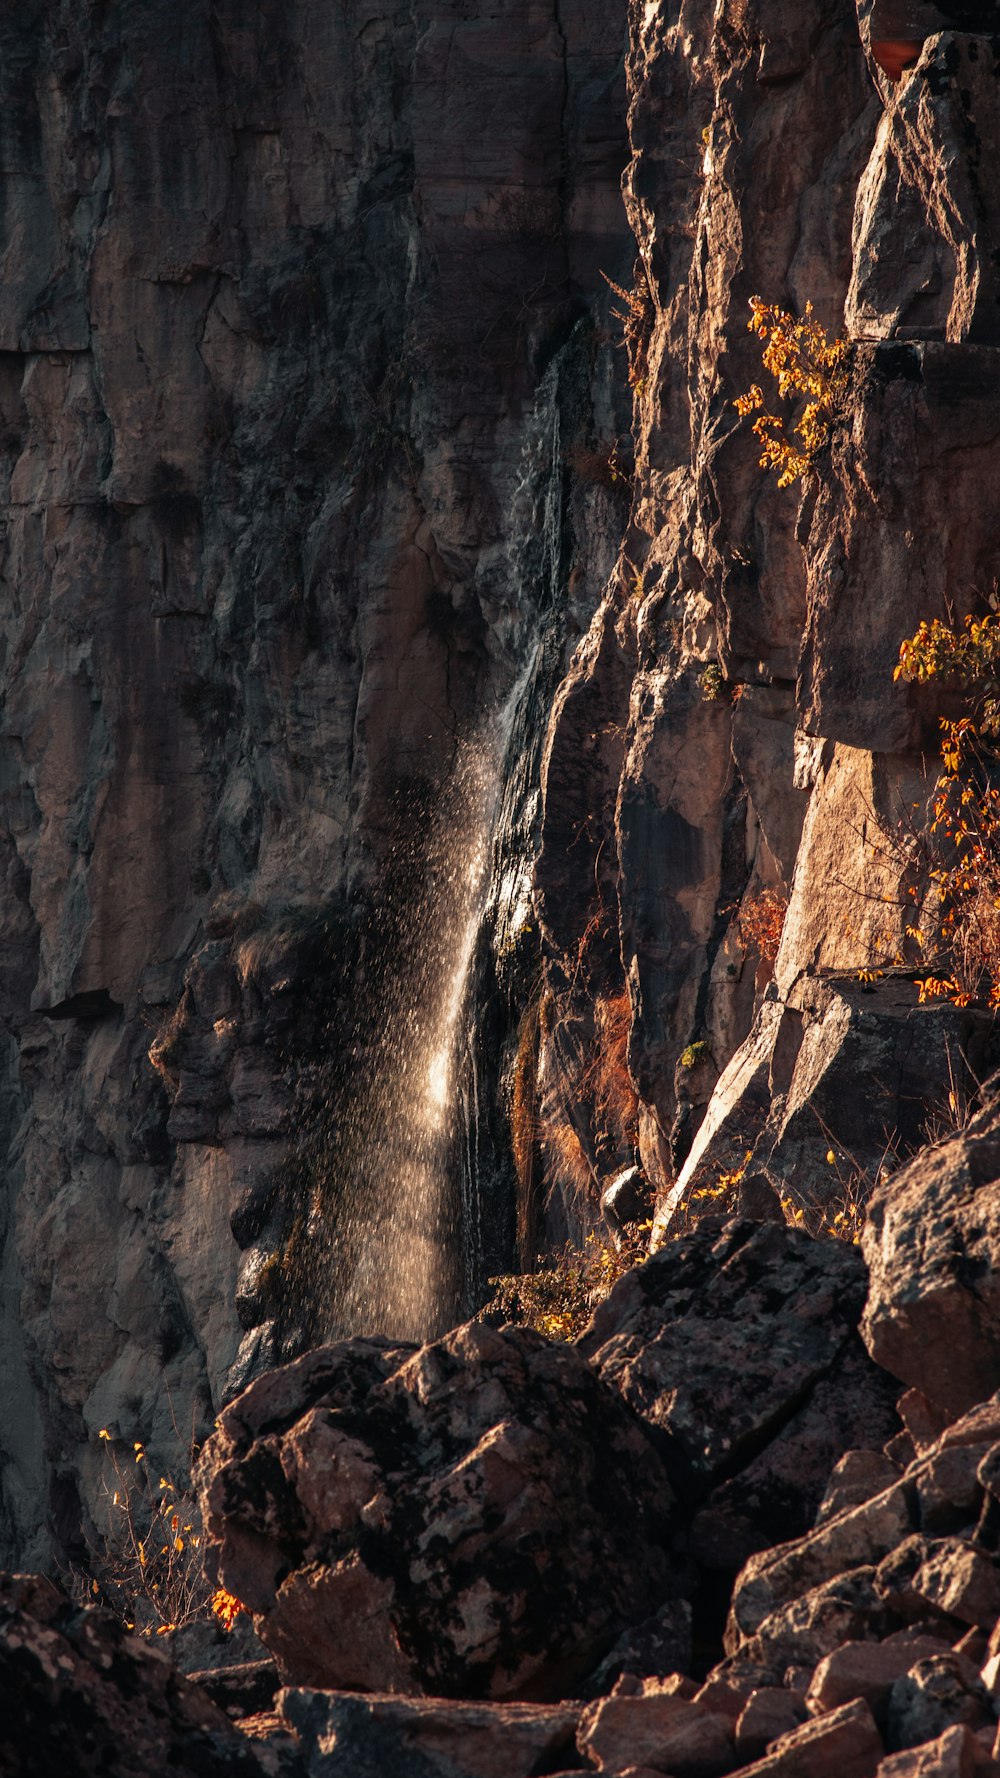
{"x": 481, "y": 1516}
{"x": 738, "y": 1344}
{"x": 932, "y": 1242}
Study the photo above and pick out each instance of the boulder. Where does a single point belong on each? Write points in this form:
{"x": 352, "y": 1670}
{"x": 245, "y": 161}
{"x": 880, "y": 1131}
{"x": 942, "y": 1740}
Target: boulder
{"x": 482, "y": 1516}
{"x": 98, "y": 1702}
{"x": 867, "y": 1670}
{"x": 844, "y": 1609}
{"x": 658, "y": 1729}
{"x": 932, "y": 1243}
{"x": 937, "y": 1694}
{"x": 343, "y": 1735}
{"x": 845, "y": 1744}
{"x": 955, "y": 1754}
{"x": 737, "y": 1345}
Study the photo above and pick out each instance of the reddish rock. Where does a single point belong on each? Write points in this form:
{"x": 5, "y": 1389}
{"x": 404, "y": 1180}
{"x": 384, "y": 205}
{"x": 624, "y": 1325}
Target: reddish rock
{"x": 658, "y": 1730}
{"x": 857, "y": 1477}
{"x": 962, "y": 1582}
{"x": 845, "y": 1609}
{"x": 932, "y": 1242}
{"x": 954, "y": 1754}
{"x": 481, "y": 1517}
{"x": 769, "y": 1713}
{"x": 867, "y": 1670}
{"x": 845, "y": 1744}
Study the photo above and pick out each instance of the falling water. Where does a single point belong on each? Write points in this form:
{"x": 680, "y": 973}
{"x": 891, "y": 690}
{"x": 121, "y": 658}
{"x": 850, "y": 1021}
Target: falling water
{"x": 400, "y": 1247}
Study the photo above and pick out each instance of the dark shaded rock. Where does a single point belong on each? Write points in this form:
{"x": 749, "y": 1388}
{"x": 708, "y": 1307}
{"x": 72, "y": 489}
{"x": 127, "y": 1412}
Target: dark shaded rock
{"x": 769, "y": 1713}
{"x": 244, "y": 1689}
{"x": 662, "y": 1644}
{"x": 345, "y": 1736}
{"x": 845, "y": 1609}
{"x": 82, "y": 1695}
{"x": 482, "y": 1516}
{"x": 867, "y": 1670}
{"x": 737, "y": 1344}
{"x": 937, "y": 1694}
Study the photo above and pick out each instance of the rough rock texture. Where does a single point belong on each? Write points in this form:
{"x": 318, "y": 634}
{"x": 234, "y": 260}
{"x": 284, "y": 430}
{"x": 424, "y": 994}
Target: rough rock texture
{"x": 346, "y": 1736}
{"x": 302, "y": 333}
{"x": 738, "y": 1343}
{"x": 932, "y": 1242}
{"x": 481, "y": 1517}
{"x": 83, "y": 1696}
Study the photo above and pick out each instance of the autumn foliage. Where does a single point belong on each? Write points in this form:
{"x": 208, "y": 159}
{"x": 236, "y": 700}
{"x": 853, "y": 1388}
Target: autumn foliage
{"x": 807, "y": 366}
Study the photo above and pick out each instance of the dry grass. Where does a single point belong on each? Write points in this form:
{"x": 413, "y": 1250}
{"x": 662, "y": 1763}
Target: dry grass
{"x": 560, "y": 1296}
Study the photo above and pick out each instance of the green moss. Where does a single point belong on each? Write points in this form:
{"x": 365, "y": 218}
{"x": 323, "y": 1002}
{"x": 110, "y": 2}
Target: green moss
{"x": 695, "y": 1053}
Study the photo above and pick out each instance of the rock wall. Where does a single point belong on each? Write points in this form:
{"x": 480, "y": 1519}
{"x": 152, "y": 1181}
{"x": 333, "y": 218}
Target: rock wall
{"x": 301, "y": 324}
{"x": 731, "y": 725}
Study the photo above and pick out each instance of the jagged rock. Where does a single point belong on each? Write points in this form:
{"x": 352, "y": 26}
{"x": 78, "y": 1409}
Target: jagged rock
{"x": 769, "y": 1713}
{"x": 844, "y": 1744}
{"x": 936, "y": 1694}
{"x": 660, "y": 1730}
{"x": 955, "y": 1754}
{"x": 858, "y": 1477}
{"x": 932, "y": 1242}
{"x": 346, "y": 1736}
{"x": 867, "y": 1670}
{"x": 482, "y": 1516}
{"x": 85, "y": 1696}
{"x": 960, "y": 1582}
{"x": 845, "y": 1609}
{"x": 737, "y": 1342}
{"x": 856, "y": 1538}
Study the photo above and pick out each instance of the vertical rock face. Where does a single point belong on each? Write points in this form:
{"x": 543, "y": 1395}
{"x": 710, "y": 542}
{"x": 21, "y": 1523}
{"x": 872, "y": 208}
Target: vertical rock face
{"x": 301, "y": 333}
{"x": 735, "y": 697}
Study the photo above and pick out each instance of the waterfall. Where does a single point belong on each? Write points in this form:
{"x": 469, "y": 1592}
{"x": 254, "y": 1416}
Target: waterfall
{"x": 418, "y": 1212}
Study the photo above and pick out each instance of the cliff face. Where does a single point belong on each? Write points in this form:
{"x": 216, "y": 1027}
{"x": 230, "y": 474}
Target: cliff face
{"x": 734, "y": 700}
{"x": 301, "y": 323}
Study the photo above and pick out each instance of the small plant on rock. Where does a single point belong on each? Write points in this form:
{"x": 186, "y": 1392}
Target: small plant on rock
{"x": 560, "y": 1297}
{"x": 960, "y": 844}
{"x": 760, "y": 922}
{"x": 807, "y": 366}
{"x": 149, "y": 1566}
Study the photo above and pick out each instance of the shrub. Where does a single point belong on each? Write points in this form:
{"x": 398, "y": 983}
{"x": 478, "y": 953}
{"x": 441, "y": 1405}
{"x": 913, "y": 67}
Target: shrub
{"x": 560, "y": 1297}
{"x": 760, "y": 922}
{"x": 695, "y": 1053}
{"x": 959, "y": 844}
{"x": 149, "y": 1566}
{"x": 806, "y": 366}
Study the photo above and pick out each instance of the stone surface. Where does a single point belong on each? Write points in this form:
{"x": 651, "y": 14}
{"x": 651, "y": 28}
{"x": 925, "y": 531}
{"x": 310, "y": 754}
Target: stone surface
{"x": 480, "y": 1517}
{"x": 933, "y": 1312}
{"x": 937, "y": 1694}
{"x": 866, "y": 1670}
{"x": 84, "y": 1696}
{"x": 347, "y": 1736}
{"x": 724, "y": 1341}
{"x": 951, "y": 1755}
{"x": 670, "y": 1734}
{"x": 844, "y": 1744}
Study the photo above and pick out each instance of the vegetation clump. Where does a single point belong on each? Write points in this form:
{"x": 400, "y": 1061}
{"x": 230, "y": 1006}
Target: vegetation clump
{"x": 701, "y": 1051}
{"x": 960, "y": 843}
{"x": 806, "y": 365}
{"x": 560, "y": 1297}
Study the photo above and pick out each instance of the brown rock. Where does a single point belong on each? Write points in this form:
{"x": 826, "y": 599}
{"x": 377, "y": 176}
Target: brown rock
{"x": 951, "y": 1755}
{"x": 430, "y": 1737}
{"x": 857, "y": 1537}
{"x": 866, "y": 1670}
{"x": 769, "y": 1713}
{"x": 479, "y": 1516}
{"x": 658, "y": 1730}
{"x": 845, "y": 1744}
{"x": 858, "y": 1477}
{"x": 845, "y": 1609}
{"x": 931, "y": 1241}
{"x": 962, "y": 1582}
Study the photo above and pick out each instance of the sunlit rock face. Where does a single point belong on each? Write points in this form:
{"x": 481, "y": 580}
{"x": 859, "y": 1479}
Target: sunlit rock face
{"x": 730, "y": 728}
{"x": 301, "y": 324}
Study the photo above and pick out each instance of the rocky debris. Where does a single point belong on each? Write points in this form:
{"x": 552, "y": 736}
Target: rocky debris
{"x": 867, "y": 1670}
{"x": 932, "y": 1243}
{"x": 344, "y": 1735}
{"x": 658, "y": 1729}
{"x": 247, "y": 1688}
{"x": 843, "y": 1744}
{"x": 936, "y": 1694}
{"x": 661, "y": 1644}
{"x": 83, "y": 1695}
{"x": 955, "y": 1754}
{"x": 481, "y": 1517}
{"x": 770, "y": 1712}
{"x": 737, "y": 1343}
